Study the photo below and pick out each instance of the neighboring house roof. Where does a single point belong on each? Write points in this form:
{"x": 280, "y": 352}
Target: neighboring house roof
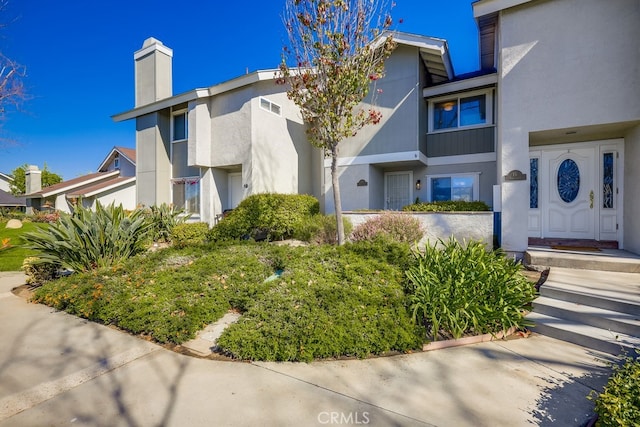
{"x": 9, "y": 200}
{"x": 72, "y": 184}
{"x": 6, "y": 177}
{"x": 128, "y": 153}
{"x": 102, "y": 187}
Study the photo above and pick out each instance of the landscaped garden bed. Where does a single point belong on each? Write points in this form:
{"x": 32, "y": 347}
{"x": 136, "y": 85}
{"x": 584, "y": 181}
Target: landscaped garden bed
{"x": 376, "y": 295}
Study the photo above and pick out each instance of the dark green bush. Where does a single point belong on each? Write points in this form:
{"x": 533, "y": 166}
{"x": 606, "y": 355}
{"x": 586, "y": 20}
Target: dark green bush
{"x": 321, "y": 229}
{"x": 619, "y": 402}
{"x": 459, "y": 290}
{"x": 270, "y": 216}
{"x": 329, "y": 302}
{"x": 189, "y": 233}
{"x": 90, "y": 239}
{"x": 392, "y": 226}
{"x": 447, "y": 206}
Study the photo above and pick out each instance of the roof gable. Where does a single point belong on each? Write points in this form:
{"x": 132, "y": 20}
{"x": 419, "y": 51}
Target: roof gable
{"x": 127, "y": 153}
{"x": 74, "y": 183}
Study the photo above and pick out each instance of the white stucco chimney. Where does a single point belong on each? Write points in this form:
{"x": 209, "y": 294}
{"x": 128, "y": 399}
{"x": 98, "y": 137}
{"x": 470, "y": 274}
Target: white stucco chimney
{"x": 153, "y": 72}
{"x": 33, "y": 179}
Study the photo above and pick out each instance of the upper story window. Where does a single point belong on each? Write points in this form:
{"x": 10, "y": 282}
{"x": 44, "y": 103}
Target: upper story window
{"x": 265, "y": 104}
{"x": 460, "y": 111}
{"x": 179, "y": 125}
{"x": 116, "y": 161}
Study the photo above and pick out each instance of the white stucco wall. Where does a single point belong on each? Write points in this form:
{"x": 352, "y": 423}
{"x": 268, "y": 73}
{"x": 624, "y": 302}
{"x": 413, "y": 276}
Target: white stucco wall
{"x": 632, "y": 203}
{"x": 563, "y": 64}
{"x": 463, "y": 226}
{"x": 4, "y": 184}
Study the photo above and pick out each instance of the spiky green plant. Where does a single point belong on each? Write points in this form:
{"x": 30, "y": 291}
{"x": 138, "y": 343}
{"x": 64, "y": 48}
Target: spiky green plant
{"x": 87, "y": 239}
{"x": 465, "y": 289}
{"x": 163, "y": 218}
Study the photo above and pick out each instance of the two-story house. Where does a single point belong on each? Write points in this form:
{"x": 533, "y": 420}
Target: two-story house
{"x": 546, "y": 131}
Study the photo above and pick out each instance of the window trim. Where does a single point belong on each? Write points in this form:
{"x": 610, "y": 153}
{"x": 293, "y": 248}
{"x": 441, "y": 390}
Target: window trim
{"x": 174, "y": 114}
{"x": 457, "y": 96}
{"x": 188, "y": 180}
{"x": 271, "y": 106}
{"x": 474, "y": 175}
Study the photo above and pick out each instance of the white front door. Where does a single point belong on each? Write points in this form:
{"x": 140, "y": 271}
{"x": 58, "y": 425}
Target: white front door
{"x": 575, "y": 191}
{"x": 235, "y": 189}
{"x": 571, "y": 193}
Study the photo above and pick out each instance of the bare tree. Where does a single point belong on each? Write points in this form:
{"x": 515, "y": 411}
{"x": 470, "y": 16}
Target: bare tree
{"x": 12, "y": 90}
{"x": 338, "y": 48}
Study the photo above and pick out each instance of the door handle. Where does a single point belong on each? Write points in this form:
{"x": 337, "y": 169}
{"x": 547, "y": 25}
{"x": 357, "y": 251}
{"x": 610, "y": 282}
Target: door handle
{"x": 591, "y": 197}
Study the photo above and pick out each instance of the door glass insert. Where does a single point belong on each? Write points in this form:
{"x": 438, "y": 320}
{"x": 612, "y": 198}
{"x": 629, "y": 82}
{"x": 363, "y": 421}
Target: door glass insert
{"x": 568, "y": 180}
{"x": 533, "y": 184}
{"x": 607, "y": 181}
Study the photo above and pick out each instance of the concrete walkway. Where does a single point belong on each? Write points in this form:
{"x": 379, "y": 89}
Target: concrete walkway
{"x": 56, "y": 369}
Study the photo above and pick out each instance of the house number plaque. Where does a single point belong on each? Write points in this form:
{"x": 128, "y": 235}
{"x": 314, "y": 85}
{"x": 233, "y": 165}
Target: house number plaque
{"x": 515, "y": 175}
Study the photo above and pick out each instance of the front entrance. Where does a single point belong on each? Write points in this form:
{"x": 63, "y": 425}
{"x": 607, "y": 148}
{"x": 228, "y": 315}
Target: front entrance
{"x": 575, "y": 191}
{"x": 397, "y": 190}
{"x": 235, "y": 189}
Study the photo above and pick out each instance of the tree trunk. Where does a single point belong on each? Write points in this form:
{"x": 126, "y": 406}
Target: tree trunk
{"x": 335, "y": 182}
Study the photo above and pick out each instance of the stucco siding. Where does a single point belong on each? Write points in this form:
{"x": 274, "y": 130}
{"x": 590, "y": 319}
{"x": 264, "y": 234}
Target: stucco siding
{"x": 231, "y": 127}
{"x": 631, "y": 180}
{"x": 398, "y": 102}
{"x": 563, "y": 64}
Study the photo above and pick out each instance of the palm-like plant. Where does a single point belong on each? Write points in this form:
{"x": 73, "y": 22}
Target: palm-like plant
{"x": 87, "y": 239}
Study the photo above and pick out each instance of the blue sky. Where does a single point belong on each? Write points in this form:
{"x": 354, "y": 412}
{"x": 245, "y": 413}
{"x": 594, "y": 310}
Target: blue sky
{"x": 79, "y": 59}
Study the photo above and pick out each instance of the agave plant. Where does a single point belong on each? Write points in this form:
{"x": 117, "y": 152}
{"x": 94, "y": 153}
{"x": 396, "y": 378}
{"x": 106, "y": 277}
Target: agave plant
{"x": 88, "y": 239}
{"x": 163, "y": 218}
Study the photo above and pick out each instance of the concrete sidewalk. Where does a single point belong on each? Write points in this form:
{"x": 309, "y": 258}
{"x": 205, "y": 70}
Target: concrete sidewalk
{"x": 56, "y": 369}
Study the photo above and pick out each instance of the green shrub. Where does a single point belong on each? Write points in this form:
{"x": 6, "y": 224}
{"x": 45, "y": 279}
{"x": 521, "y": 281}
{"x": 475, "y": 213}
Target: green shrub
{"x": 321, "y": 229}
{"x": 447, "y": 206}
{"x": 270, "y": 216}
{"x": 619, "y": 402}
{"x": 461, "y": 290}
{"x": 189, "y": 233}
{"x": 7, "y": 214}
{"x": 392, "y": 226}
{"x": 163, "y": 218}
{"x": 38, "y": 272}
{"x": 329, "y": 302}
{"x": 90, "y": 239}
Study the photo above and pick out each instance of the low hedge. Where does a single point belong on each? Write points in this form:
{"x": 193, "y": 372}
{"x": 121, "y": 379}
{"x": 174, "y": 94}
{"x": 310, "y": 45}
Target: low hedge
{"x": 267, "y": 216}
{"x": 447, "y": 206}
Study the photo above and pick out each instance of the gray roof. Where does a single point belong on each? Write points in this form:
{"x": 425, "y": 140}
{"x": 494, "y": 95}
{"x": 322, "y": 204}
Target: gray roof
{"x": 9, "y": 200}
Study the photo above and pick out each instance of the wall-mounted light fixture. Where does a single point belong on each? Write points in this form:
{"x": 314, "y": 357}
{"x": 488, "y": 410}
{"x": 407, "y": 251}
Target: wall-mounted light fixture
{"x": 418, "y": 185}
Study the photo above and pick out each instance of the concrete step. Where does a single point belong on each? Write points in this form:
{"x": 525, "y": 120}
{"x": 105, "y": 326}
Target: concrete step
{"x": 589, "y": 315}
{"x": 603, "y": 260}
{"x": 585, "y": 335}
{"x": 607, "y": 290}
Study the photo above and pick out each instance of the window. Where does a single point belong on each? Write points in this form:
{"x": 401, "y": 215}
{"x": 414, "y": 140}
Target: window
{"x": 453, "y": 187}
{"x": 186, "y": 194}
{"x": 116, "y": 161}
{"x": 265, "y": 104}
{"x": 460, "y": 111}
{"x": 179, "y": 126}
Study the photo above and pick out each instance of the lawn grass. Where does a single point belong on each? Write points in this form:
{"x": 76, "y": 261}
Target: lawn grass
{"x": 11, "y": 259}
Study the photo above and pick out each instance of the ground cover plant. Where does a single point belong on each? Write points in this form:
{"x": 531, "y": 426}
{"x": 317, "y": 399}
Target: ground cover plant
{"x": 462, "y": 289}
{"x": 328, "y": 302}
{"x": 12, "y": 254}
